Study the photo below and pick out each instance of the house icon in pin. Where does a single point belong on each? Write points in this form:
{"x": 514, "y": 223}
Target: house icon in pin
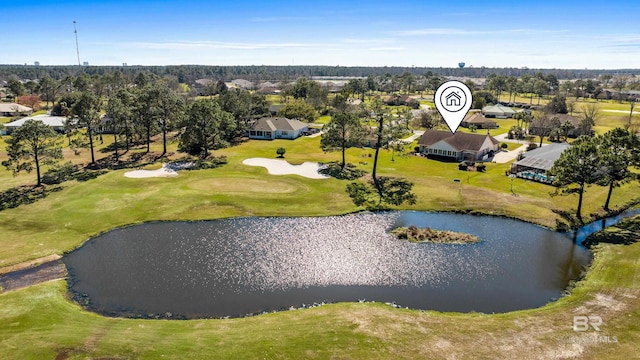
{"x": 453, "y": 99}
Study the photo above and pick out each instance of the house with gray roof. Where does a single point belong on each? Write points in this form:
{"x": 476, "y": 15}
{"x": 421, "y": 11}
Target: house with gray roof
{"x": 56, "y": 122}
{"x": 13, "y": 109}
{"x": 243, "y": 84}
{"x": 498, "y": 111}
{"x": 277, "y": 128}
{"x": 459, "y": 146}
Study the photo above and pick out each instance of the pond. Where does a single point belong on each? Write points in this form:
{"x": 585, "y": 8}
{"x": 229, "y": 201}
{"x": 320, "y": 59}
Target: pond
{"x": 245, "y": 266}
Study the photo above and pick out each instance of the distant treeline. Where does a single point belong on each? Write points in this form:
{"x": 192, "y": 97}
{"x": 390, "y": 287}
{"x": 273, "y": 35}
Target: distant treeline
{"x": 190, "y": 73}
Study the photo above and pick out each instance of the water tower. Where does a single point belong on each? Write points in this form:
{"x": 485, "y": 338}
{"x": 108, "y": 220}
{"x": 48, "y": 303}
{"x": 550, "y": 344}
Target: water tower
{"x": 461, "y": 64}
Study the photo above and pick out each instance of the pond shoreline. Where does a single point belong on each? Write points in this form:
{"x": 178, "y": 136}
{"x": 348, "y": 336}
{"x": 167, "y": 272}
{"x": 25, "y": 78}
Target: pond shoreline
{"x": 306, "y": 261}
{"x": 457, "y": 211}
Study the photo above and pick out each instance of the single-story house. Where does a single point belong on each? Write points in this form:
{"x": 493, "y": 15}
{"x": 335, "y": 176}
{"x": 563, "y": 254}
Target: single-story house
{"x": 277, "y": 128}
{"x": 479, "y": 121}
{"x": 243, "y": 84}
{"x": 535, "y": 163}
{"x": 397, "y": 100}
{"x": 498, "y": 111}
{"x": 13, "y": 109}
{"x": 56, "y": 122}
{"x": 267, "y": 90}
{"x": 459, "y": 146}
{"x": 628, "y": 95}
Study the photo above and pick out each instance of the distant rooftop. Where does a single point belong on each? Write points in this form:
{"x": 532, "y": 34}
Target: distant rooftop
{"x": 53, "y": 121}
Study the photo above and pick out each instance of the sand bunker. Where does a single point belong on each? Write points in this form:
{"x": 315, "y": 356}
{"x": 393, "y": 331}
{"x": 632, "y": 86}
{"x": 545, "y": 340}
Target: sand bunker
{"x": 167, "y": 170}
{"x": 282, "y": 167}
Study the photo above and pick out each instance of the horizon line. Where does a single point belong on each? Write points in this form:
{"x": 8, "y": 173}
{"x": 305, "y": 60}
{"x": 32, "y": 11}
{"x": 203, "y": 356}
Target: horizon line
{"x": 342, "y": 66}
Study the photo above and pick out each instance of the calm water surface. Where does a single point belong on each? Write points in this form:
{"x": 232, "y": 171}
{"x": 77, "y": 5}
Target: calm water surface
{"x": 236, "y": 267}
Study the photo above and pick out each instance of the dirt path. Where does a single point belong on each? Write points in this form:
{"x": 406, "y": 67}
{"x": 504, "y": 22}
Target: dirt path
{"x": 32, "y": 272}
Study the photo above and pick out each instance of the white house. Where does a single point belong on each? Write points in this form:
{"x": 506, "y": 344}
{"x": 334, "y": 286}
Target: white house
{"x": 498, "y": 111}
{"x": 459, "y": 146}
{"x": 56, "y": 122}
{"x": 13, "y": 109}
{"x": 277, "y": 128}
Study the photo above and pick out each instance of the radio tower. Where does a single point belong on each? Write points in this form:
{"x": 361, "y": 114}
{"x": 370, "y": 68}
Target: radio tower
{"x": 75, "y": 31}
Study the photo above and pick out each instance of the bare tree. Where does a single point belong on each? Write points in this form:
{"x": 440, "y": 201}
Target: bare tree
{"x": 590, "y": 115}
{"x": 543, "y": 124}
{"x": 633, "y": 105}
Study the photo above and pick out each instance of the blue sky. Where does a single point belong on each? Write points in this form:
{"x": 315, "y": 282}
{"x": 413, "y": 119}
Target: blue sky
{"x": 535, "y": 34}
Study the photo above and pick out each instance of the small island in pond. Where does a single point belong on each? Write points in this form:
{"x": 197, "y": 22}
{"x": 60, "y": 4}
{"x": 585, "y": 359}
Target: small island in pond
{"x": 415, "y": 234}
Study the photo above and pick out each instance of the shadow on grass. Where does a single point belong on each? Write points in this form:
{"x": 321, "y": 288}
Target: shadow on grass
{"x": 571, "y": 222}
{"x": 122, "y": 147}
{"x": 626, "y": 232}
{"x": 69, "y": 171}
{"x": 130, "y": 160}
{"x": 22, "y": 195}
{"x": 350, "y": 171}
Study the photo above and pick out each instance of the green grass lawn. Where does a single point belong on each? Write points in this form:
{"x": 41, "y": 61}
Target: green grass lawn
{"x": 512, "y": 146}
{"x": 323, "y": 119}
{"x": 39, "y": 322}
{"x": 503, "y": 127}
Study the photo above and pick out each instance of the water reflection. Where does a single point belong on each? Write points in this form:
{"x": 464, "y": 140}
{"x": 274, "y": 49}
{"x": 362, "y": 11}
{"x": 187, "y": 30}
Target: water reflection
{"x": 234, "y": 267}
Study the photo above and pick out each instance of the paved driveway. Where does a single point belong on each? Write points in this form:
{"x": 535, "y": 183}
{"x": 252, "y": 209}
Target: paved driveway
{"x": 507, "y": 156}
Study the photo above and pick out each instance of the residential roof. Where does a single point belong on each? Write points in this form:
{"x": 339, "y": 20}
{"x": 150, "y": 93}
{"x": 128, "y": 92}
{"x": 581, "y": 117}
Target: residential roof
{"x": 477, "y": 118}
{"x": 53, "y": 121}
{"x": 278, "y": 123}
{"x": 564, "y": 117}
{"x": 543, "y": 157}
{"x": 498, "y": 108}
{"x": 268, "y": 84}
{"x": 245, "y": 84}
{"x": 399, "y": 99}
{"x": 460, "y": 141}
{"x": 431, "y": 137}
{"x": 13, "y": 107}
